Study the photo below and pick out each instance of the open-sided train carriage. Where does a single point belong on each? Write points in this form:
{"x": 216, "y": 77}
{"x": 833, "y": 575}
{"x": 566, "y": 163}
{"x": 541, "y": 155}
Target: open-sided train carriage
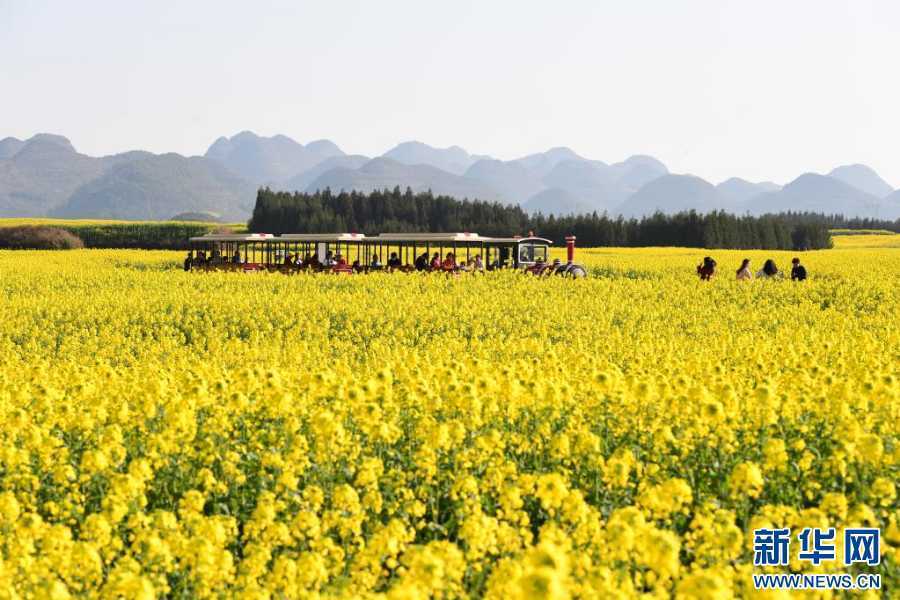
{"x": 264, "y": 251}
{"x": 355, "y": 252}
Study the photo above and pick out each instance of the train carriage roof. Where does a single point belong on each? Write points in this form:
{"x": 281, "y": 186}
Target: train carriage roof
{"x": 234, "y": 237}
{"x": 287, "y": 237}
{"x": 428, "y": 238}
{"x": 519, "y": 240}
{"x": 322, "y": 237}
{"x": 454, "y": 238}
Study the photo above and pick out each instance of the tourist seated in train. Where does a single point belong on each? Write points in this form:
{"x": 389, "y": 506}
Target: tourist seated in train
{"x": 288, "y": 260}
{"x": 449, "y": 263}
{"x": 340, "y": 265}
{"x": 435, "y": 262}
{"x": 376, "y": 262}
{"x": 236, "y": 258}
{"x": 329, "y": 259}
{"x": 478, "y": 263}
{"x": 421, "y": 262}
{"x": 503, "y": 261}
{"x": 394, "y": 261}
{"x": 357, "y": 267}
{"x": 189, "y": 260}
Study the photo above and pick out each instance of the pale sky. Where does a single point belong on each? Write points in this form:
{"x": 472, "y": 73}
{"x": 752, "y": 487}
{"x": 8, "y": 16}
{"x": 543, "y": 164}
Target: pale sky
{"x": 761, "y": 89}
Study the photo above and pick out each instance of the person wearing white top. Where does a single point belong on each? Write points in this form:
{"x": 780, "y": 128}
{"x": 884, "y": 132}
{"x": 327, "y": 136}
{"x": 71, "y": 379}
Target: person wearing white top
{"x": 744, "y": 273}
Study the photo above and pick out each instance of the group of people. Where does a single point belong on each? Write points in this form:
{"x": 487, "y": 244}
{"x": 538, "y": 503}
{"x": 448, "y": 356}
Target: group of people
{"x": 707, "y": 269}
{"x": 449, "y": 264}
{"x": 337, "y": 263}
{"x": 204, "y": 259}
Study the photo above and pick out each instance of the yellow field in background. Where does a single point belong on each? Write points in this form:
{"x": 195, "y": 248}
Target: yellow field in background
{"x": 881, "y": 240}
{"x": 416, "y": 436}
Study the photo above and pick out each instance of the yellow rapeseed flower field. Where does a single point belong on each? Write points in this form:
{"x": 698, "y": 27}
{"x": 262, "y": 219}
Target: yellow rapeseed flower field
{"x": 420, "y": 436}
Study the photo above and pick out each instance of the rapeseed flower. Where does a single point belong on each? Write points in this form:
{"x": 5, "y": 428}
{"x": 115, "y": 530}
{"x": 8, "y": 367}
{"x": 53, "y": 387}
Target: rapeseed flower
{"x": 165, "y": 434}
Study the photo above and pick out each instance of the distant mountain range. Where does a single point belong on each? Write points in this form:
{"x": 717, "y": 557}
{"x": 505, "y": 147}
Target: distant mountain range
{"x": 46, "y": 176}
{"x": 268, "y": 161}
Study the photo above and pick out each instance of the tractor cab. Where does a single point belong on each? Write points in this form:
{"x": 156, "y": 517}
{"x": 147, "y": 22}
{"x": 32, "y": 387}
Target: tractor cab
{"x": 531, "y": 251}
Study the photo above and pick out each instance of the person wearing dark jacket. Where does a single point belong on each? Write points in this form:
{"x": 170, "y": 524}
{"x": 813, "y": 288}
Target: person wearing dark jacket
{"x": 707, "y": 269}
{"x": 798, "y": 271}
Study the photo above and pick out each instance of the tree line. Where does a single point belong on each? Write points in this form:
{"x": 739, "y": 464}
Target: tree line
{"x": 406, "y": 212}
{"x": 843, "y": 222}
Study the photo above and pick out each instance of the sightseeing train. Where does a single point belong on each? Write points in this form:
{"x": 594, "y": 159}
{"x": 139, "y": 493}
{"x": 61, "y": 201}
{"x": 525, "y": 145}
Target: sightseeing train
{"x": 356, "y": 252}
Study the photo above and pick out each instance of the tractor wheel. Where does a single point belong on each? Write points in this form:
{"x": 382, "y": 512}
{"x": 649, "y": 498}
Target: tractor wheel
{"x": 576, "y": 272}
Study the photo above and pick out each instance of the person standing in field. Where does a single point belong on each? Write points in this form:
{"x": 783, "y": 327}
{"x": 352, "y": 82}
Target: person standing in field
{"x": 798, "y": 271}
{"x": 707, "y": 269}
{"x": 769, "y": 271}
{"x": 744, "y": 273}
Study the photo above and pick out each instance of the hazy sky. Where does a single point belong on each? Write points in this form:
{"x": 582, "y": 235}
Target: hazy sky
{"x": 754, "y": 88}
